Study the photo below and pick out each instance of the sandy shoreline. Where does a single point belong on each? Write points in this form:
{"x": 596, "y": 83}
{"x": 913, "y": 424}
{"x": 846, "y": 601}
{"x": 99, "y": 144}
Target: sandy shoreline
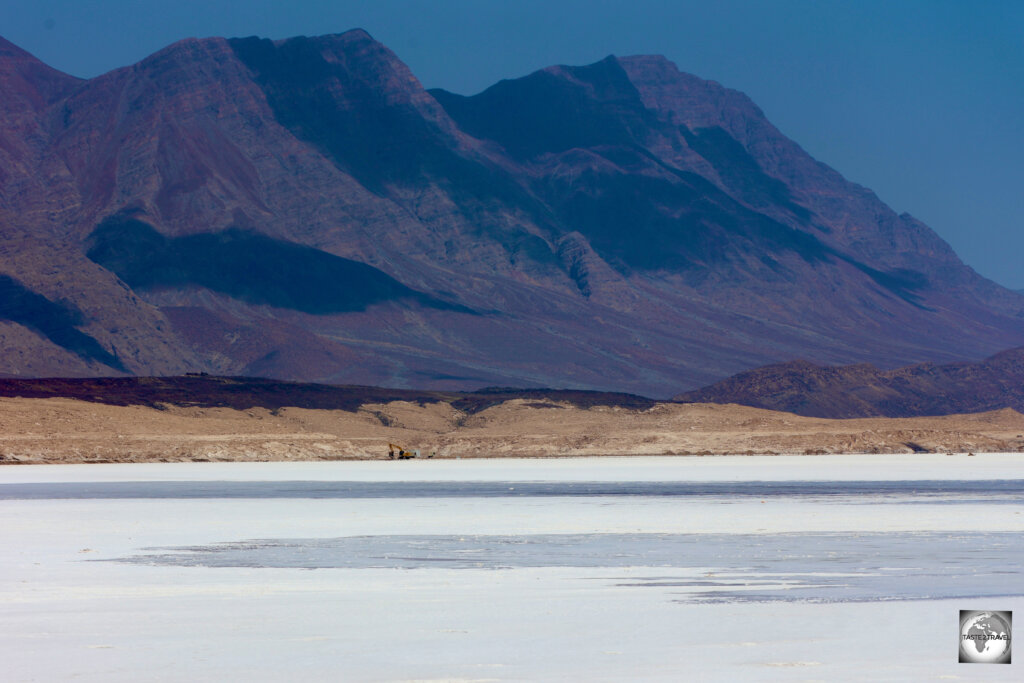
{"x": 72, "y": 431}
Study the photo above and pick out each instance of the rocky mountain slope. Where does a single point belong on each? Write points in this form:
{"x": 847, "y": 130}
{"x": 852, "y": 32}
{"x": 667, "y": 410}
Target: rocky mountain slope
{"x": 304, "y": 209}
{"x": 865, "y": 391}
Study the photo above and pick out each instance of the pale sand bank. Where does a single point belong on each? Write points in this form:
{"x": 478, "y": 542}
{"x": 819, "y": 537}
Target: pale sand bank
{"x": 69, "y": 431}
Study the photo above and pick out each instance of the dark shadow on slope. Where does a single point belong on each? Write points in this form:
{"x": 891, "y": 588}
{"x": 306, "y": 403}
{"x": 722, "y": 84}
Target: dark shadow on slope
{"x": 341, "y": 109}
{"x": 54, "y": 320}
{"x": 545, "y": 112}
{"x": 374, "y": 140}
{"x": 904, "y": 283}
{"x": 247, "y": 266}
{"x": 646, "y": 222}
{"x": 740, "y": 171}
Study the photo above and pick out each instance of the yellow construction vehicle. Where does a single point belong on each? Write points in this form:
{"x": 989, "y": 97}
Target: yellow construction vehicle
{"x": 403, "y": 454}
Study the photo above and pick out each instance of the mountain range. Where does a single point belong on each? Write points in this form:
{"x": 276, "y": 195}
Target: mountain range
{"x": 304, "y": 209}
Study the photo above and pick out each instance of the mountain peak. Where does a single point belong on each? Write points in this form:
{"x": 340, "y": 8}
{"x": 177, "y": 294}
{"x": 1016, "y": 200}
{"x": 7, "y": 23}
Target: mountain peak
{"x": 355, "y": 51}
{"x": 22, "y": 73}
{"x": 186, "y": 49}
{"x": 345, "y": 38}
{"x": 652, "y": 61}
{"x": 353, "y": 35}
{"x": 10, "y": 51}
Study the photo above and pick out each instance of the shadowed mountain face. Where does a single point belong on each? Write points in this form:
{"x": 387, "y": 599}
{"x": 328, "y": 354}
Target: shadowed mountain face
{"x": 548, "y": 113}
{"x": 378, "y": 141}
{"x": 246, "y": 266}
{"x": 55, "y": 321}
{"x": 304, "y": 209}
{"x": 865, "y": 391}
{"x": 676, "y": 219}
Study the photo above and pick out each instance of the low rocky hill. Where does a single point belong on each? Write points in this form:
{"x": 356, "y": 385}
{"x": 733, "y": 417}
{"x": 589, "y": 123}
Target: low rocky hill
{"x": 863, "y": 390}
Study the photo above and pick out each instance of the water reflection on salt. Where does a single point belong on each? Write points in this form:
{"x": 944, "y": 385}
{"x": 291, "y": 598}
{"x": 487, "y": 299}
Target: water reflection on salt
{"x": 819, "y": 567}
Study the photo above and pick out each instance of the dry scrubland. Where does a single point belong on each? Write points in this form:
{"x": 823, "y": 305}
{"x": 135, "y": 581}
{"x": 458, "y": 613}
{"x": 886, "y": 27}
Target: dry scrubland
{"x": 66, "y": 430}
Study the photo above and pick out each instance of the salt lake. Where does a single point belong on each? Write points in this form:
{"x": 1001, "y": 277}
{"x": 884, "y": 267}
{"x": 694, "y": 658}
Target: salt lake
{"x": 669, "y": 568}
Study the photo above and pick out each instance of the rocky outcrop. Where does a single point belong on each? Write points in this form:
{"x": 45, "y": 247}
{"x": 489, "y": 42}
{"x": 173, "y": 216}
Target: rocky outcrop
{"x": 865, "y": 391}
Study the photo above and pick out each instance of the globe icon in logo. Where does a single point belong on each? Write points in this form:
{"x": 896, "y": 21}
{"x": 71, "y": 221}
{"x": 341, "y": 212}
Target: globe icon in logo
{"x": 985, "y": 637}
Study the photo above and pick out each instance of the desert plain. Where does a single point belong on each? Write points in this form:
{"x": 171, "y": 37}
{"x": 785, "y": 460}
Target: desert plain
{"x": 61, "y": 430}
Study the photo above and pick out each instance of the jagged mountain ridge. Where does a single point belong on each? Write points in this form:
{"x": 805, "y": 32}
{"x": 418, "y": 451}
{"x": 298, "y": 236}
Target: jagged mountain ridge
{"x": 619, "y": 226}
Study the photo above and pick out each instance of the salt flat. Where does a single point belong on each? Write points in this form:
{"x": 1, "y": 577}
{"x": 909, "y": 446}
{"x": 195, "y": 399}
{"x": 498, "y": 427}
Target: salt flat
{"x": 875, "y": 467}
{"x": 300, "y": 579}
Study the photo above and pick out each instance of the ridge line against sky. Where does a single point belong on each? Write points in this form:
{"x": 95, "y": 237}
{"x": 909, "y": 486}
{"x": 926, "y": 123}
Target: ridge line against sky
{"x": 918, "y": 100}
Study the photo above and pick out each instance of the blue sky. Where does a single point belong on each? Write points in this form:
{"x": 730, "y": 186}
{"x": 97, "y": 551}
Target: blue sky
{"x": 919, "y": 100}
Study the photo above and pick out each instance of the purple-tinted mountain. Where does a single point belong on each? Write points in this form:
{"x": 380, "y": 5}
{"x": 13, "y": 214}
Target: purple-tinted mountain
{"x": 303, "y": 209}
{"x": 865, "y": 391}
